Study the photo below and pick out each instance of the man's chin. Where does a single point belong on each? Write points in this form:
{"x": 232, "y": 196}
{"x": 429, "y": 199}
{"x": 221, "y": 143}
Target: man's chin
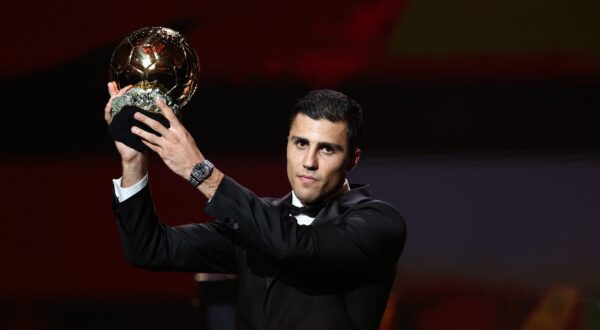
{"x": 306, "y": 197}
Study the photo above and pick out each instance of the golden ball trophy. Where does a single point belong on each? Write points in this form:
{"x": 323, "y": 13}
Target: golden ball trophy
{"x": 158, "y": 63}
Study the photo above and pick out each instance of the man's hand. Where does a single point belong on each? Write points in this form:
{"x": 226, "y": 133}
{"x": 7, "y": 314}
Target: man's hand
{"x": 175, "y": 145}
{"x": 127, "y": 153}
{"x": 133, "y": 161}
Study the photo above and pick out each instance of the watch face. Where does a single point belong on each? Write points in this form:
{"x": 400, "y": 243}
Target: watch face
{"x": 202, "y": 170}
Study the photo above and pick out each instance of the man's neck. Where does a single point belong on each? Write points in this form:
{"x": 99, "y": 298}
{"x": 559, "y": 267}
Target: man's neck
{"x": 297, "y": 202}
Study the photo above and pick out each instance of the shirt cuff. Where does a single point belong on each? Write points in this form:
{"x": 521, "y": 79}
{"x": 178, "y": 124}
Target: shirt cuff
{"x": 124, "y": 193}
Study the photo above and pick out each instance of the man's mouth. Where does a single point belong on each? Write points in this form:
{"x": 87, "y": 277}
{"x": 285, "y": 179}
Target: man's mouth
{"x": 307, "y": 178}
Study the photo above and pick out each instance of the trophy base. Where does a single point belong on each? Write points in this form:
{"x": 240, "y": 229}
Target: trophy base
{"x": 120, "y": 127}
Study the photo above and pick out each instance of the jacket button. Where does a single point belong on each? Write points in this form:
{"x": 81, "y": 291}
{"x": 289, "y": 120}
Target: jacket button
{"x": 236, "y": 226}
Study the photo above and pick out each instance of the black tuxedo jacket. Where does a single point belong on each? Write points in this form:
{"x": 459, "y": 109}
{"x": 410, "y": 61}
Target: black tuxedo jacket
{"x": 333, "y": 274}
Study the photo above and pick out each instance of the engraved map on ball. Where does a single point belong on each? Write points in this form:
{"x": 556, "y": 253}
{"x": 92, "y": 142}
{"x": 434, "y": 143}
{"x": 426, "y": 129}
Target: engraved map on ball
{"x": 156, "y": 61}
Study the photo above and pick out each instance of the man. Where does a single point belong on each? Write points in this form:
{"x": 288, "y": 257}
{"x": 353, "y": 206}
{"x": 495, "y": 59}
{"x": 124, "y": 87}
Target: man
{"x": 331, "y": 269}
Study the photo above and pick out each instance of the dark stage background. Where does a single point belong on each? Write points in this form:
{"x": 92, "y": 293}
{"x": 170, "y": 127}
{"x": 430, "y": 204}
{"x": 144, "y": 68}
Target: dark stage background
{"x": 481, "y": 126}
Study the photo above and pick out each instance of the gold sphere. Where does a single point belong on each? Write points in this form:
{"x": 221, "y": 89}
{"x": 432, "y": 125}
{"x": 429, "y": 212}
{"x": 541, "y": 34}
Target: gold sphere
{"x": 159, "y": 59}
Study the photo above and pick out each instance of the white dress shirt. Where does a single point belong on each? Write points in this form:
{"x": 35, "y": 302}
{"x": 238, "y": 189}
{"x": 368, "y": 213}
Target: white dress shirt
{"x": 124, "y": 193}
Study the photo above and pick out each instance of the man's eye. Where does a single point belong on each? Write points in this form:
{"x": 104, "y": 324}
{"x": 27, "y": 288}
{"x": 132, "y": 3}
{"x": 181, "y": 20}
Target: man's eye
{"x": 301, "y": 144}
{"x": 327, "y": 150}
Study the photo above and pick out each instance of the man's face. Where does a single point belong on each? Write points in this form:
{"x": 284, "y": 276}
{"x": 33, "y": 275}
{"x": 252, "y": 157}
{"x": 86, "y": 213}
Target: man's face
{"x": 318, "y": 158}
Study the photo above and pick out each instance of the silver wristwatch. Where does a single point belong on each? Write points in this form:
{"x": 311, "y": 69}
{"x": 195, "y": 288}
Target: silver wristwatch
{"x": 200, "y": 172}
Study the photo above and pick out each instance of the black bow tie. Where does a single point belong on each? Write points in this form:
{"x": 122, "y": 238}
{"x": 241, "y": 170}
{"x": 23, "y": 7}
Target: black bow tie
{"x": 310, "y": 211}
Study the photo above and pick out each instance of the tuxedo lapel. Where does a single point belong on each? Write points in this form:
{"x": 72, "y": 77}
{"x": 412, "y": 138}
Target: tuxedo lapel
{"x": 337, "y": 206}
{"x": 343, "y": 203}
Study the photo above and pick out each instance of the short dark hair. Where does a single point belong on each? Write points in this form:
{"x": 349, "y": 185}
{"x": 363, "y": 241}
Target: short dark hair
{"x": 335, "y": 107}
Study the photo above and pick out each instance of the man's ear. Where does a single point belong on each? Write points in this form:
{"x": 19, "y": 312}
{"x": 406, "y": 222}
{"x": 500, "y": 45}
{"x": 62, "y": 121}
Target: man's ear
{"x": 353, "y": 160}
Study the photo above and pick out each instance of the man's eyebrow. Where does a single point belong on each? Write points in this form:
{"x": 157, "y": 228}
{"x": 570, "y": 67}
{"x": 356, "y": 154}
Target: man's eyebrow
{"x": 296, "y": 138}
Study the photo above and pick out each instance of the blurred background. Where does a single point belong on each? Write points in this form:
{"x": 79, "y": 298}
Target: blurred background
{"x": 481, "y": 127}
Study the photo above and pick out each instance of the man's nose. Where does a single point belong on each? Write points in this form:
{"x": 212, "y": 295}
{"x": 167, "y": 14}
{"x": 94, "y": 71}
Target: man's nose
{"x": 310, "y": 160}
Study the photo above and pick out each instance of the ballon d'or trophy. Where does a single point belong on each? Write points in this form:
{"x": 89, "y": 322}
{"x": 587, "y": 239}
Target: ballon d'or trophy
{"x": 158, "y": 63}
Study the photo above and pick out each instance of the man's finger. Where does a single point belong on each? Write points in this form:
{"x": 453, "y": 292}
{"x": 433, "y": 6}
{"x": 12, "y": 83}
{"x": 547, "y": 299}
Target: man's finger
{"x": 154, "y": 124}
{"x": 114, "y": 91}
{"x": 108, "y": 109}
{"x": 166, "y": 111}
{"x": 151, "y": 146}
{"x": 122, "y": 90}
{"x": 112, "y": 88}
{"x": 107, "y": 112}
{"x": 145, "y": 135}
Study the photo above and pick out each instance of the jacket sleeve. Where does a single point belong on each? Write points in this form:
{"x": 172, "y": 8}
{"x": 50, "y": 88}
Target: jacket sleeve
{"x": 370, "y": 237}
{"x": 149, "y": 244}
